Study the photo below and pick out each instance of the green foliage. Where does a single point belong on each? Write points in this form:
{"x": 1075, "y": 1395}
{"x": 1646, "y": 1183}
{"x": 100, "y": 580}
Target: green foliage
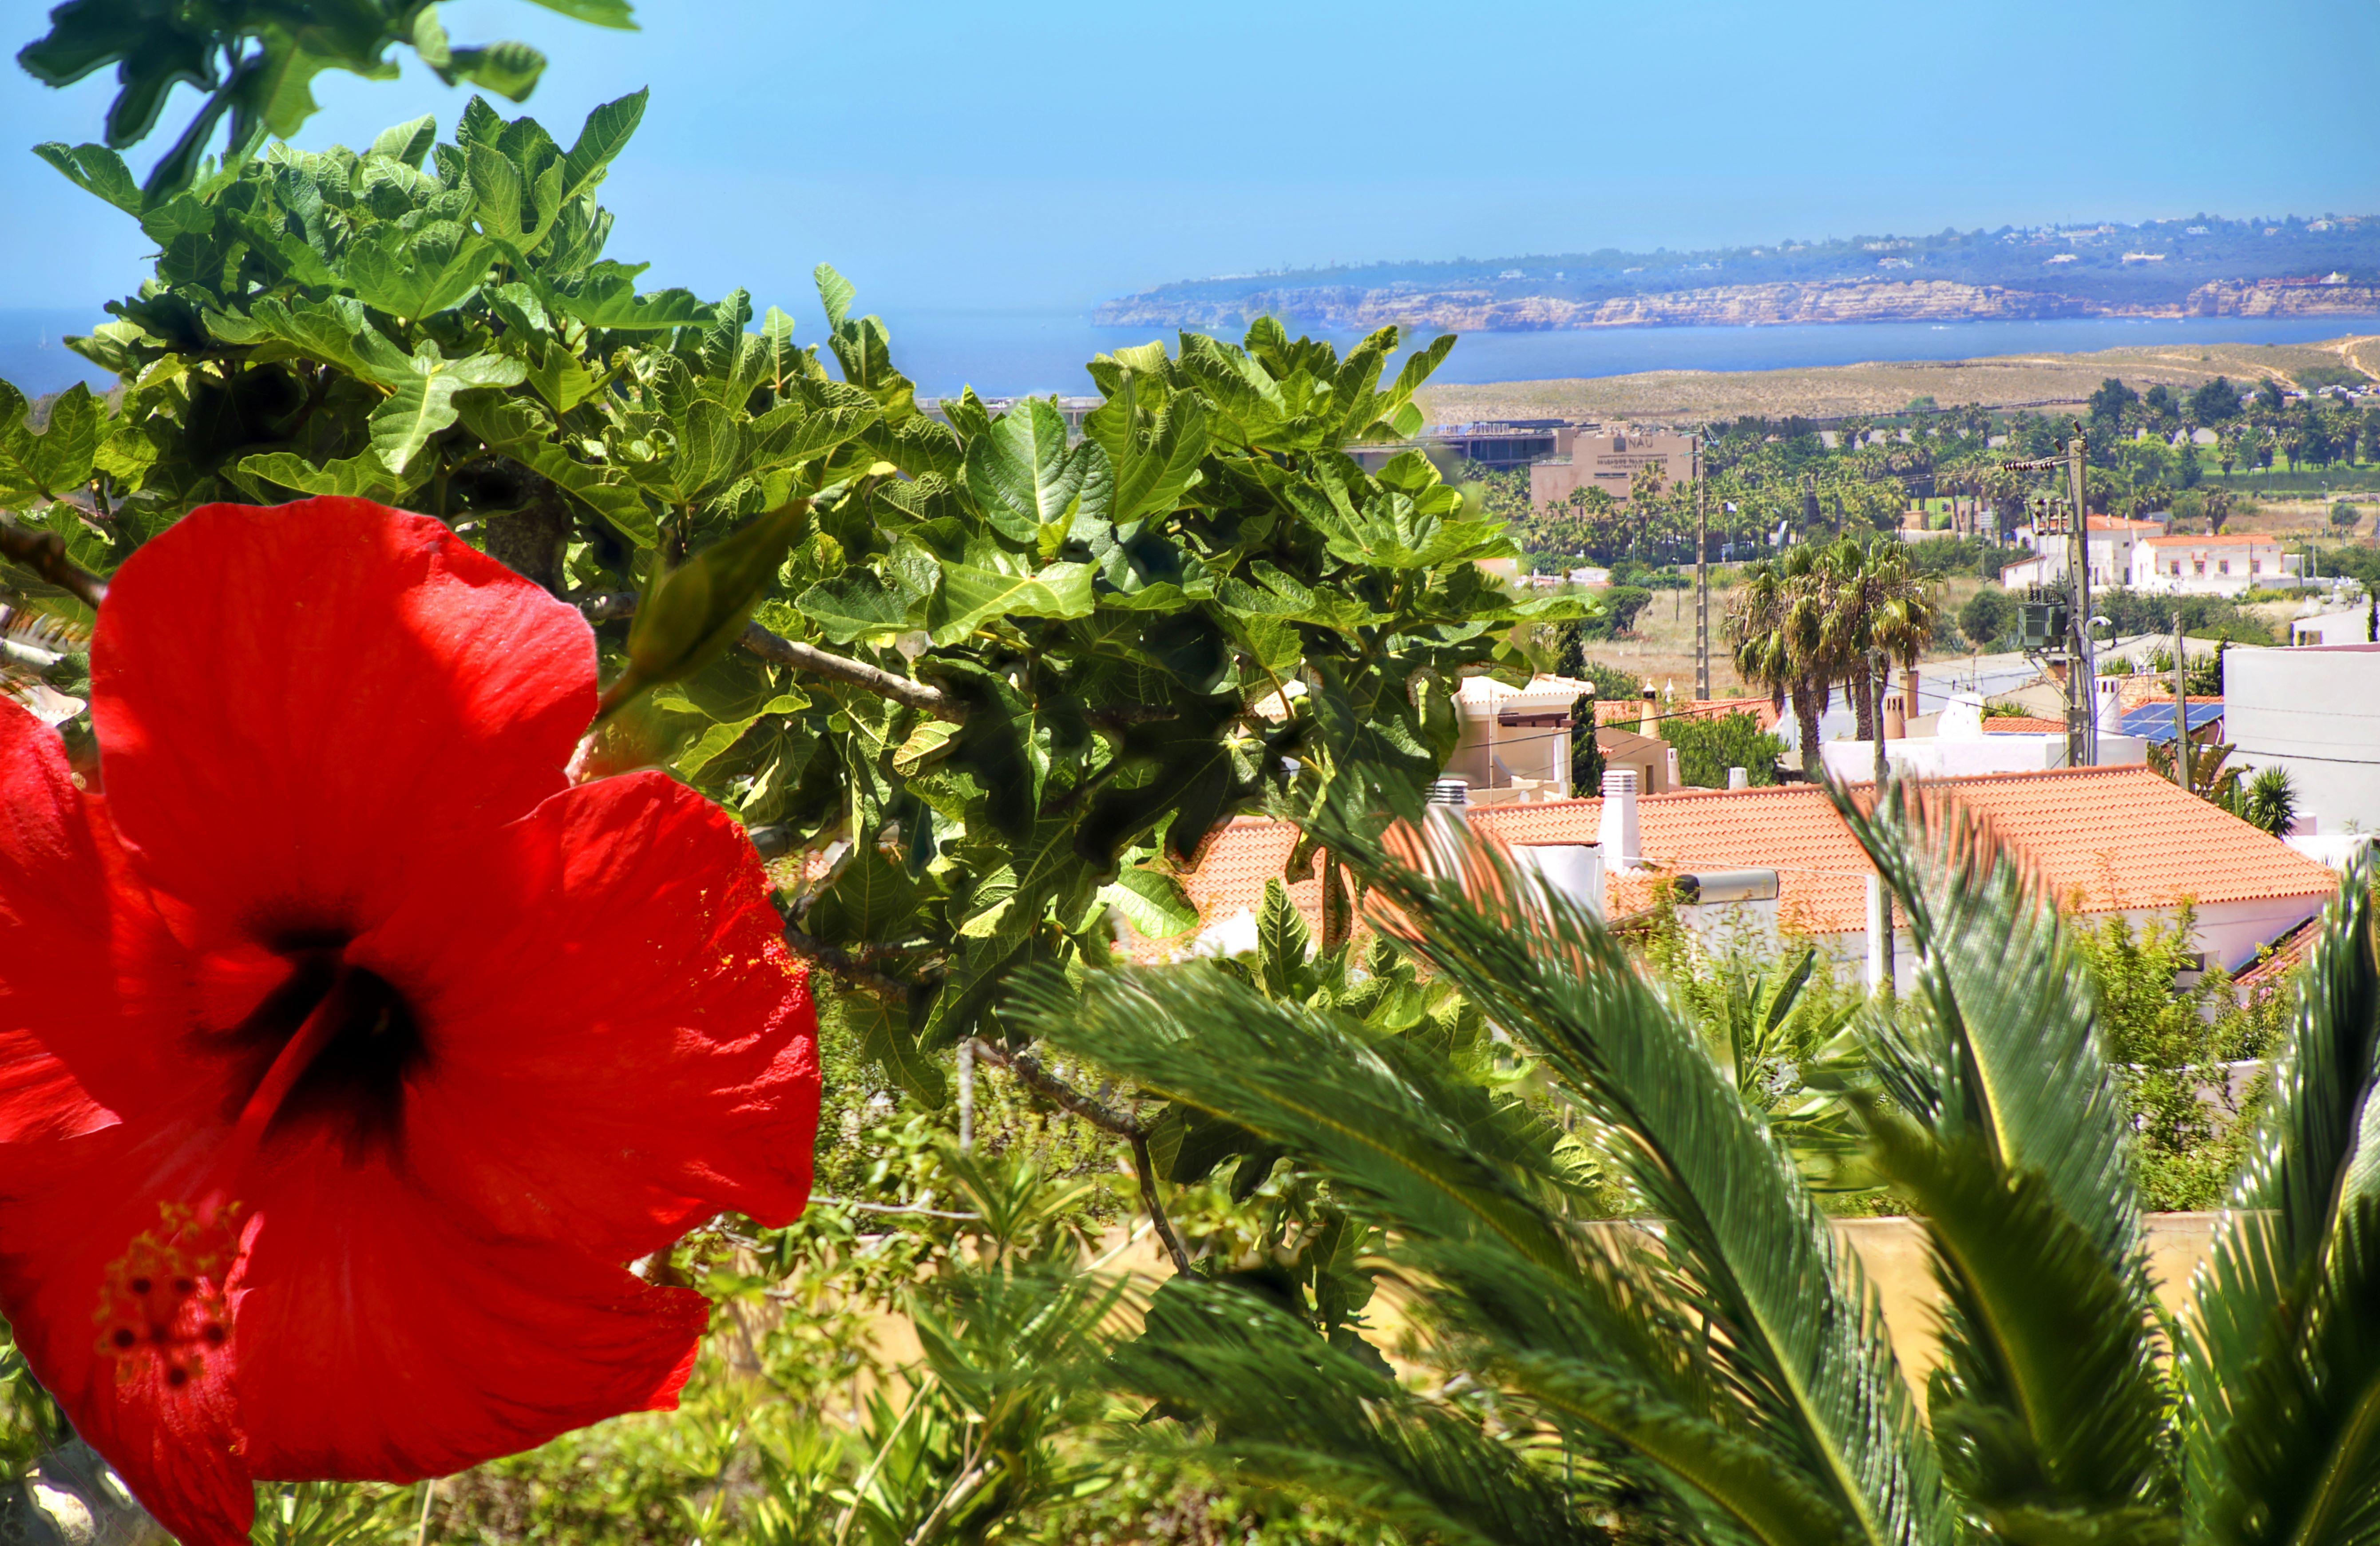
{"x": 1940, "y": 557}
{"x": 2268, "y": 801}
{"x": 2313, "y": 377}
{"x": 1988, "y": 617}
{"x": 1779, "y": 1023}
{"x": 1997, "y": 1101}
{"x": 2344, "y": 516}
{"x": 1611, "y": 684}
{"x": 2214, "y": 402}
{"x": 1586, "y": 756}
{"x": 2170, "y": 1042}
{"x": 2202, "y": 675}
{"x": 1620, "y": 605}
{"x": 2134, "y": 612}
{"x": 1707, "y": 747}
{"x": 255, "y": 62}
{"x": 1795, "y": 1427}
{"x": 1009, "y": 667}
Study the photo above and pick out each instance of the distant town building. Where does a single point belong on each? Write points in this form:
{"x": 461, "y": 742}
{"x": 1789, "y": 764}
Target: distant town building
{"x": 1597, "y": 458}
{"x": 2111, "y": 542}
{"x": 2225, "y": 566}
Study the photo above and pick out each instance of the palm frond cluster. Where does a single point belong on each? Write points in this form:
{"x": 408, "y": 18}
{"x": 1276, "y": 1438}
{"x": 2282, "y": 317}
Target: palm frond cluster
{"x": 1716, "y": 1368}
{"x": 1840, "y": 614}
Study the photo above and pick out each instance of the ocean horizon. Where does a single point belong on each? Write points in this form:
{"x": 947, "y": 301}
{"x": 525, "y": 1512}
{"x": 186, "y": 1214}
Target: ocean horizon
{"x": 1019, "y": 353}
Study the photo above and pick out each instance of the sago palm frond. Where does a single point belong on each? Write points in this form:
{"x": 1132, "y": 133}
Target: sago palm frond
{"x": 2281, "y": 1368}
{"x": 2049, "y": 1406}
{"x": 1795, "y": 1331}
{"x": 1290, "y": 1410}
{"x": 1580, "y": 1318}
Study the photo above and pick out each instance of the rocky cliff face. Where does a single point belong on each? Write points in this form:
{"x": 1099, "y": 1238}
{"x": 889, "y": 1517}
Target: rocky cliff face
{"x": 2235, "y": 297}
{"x": 1353, "y": 309}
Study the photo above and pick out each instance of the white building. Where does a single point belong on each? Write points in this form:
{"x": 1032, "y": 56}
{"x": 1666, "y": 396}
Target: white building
{"x": 2225, "y": 566}
{"x": 1515, "y": 738}
{"x": 2111, "y": 541}
{"x": 2351, "y": 627}
{"x": 2315, "y": 710}
{"x": 1959, "y": 747}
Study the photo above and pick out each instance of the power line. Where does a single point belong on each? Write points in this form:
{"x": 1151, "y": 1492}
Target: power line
{"x": 2306, "y": 757}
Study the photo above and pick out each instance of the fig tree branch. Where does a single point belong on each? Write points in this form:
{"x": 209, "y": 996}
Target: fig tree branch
{"x": 920, "y": 696}
{"x": 1031, "y": 1071}
{"x": 843, "y": 966}
{"x": 44, "y": 553}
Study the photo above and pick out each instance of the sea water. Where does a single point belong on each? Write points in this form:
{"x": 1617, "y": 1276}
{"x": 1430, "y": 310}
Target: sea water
{"x": 1012, "y": 353}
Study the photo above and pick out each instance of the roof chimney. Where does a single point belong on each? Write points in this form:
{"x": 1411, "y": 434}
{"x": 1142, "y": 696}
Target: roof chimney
{"x": 1895, "y": 718}
{"x": 1670, "y": 754}
{"x": 1737, "y": 778}
{"x": 1451, "y": 791}
{"x": 1645, "y": 726}
{"x": 1616, "y": 832}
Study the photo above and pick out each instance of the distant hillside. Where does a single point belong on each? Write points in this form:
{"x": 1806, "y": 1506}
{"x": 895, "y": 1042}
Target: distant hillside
{"x": 2199, "y": 266}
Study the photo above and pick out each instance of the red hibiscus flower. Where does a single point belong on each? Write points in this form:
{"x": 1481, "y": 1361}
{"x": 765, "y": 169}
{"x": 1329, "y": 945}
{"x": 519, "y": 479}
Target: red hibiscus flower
{"x": 346, "y": 1050}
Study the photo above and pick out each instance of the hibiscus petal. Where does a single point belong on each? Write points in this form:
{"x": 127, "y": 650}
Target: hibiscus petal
{"x": 303, "y": 709}
{"x": 380, "y": 1339}
{"x": 71, "y": 1215}
{"x": 81, "y": 956}
{"x": 618, "y": 1043}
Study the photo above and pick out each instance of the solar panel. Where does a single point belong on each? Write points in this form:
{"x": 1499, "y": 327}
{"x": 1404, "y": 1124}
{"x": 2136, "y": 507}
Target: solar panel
{"x": 2155, "y": 721}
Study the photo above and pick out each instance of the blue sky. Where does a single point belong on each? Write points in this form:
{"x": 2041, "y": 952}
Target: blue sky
{"x": 1042, "y": 156}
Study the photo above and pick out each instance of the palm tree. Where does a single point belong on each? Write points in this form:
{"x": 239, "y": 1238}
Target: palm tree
{"x": 1775, "y": 626}
{"x": 1724, "y": 1375}
{"x": 2269, "y": 802}
{"x": 1877, "y": 613}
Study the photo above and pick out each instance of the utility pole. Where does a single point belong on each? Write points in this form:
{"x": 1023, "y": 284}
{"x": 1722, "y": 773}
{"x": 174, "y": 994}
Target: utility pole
{"x": 1702, "y": 580}
{"x": 2181, "y": 711}
{"x": 2082, "y": 732}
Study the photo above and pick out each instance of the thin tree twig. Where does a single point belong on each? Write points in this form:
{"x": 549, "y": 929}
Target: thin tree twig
{"x": 1030, "y": 1071}
{"x": 959, "y": 1491}
{"x": 876, "y": 1464}
{"x": 912, "y": 1208}
{"x": 1147, "y": 1170}
{"x": 922, "y": 696}
{"x": 44, "y": 553}
{"x": 843, "y": 964}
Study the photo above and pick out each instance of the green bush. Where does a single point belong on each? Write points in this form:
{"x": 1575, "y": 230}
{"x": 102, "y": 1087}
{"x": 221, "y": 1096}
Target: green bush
{"x": 2136, "y": 612}
{"x": 1620, "y": 605}
{"x": 1987, "y": 617}
{"x": 2343, "y": 515}
{"x": 1707, "y": 747}
{"x": 1940, "y": 557}
{"x": 2170, "y": 1042}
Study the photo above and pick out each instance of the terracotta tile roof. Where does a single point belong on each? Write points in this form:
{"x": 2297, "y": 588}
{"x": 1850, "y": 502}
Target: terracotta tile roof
{"x": 2125, "y": 837}
{"x": 2286, "y": 952}
{"x": 1821, "y": 874}
{"x": 1229, "y": 873}
{"x": 2011, "y": 724}
{"x": 2233, "y": 539}
{"x": 2101, "y": 839}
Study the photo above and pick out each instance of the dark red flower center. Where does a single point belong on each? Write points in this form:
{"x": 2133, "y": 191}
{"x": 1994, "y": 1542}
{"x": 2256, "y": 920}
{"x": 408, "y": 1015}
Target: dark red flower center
{"x": 337, "y": 1042}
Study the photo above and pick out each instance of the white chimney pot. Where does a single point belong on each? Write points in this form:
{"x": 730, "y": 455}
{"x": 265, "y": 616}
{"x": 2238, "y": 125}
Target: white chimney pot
{"x": 1617, "y": 832}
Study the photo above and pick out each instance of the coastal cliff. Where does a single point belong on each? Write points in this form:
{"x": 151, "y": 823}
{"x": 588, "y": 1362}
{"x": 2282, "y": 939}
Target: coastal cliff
{"x": 1354, "y": 309}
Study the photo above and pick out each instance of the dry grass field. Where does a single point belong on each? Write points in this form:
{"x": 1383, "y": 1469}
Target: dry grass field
{"x": 1682, "y": 396}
